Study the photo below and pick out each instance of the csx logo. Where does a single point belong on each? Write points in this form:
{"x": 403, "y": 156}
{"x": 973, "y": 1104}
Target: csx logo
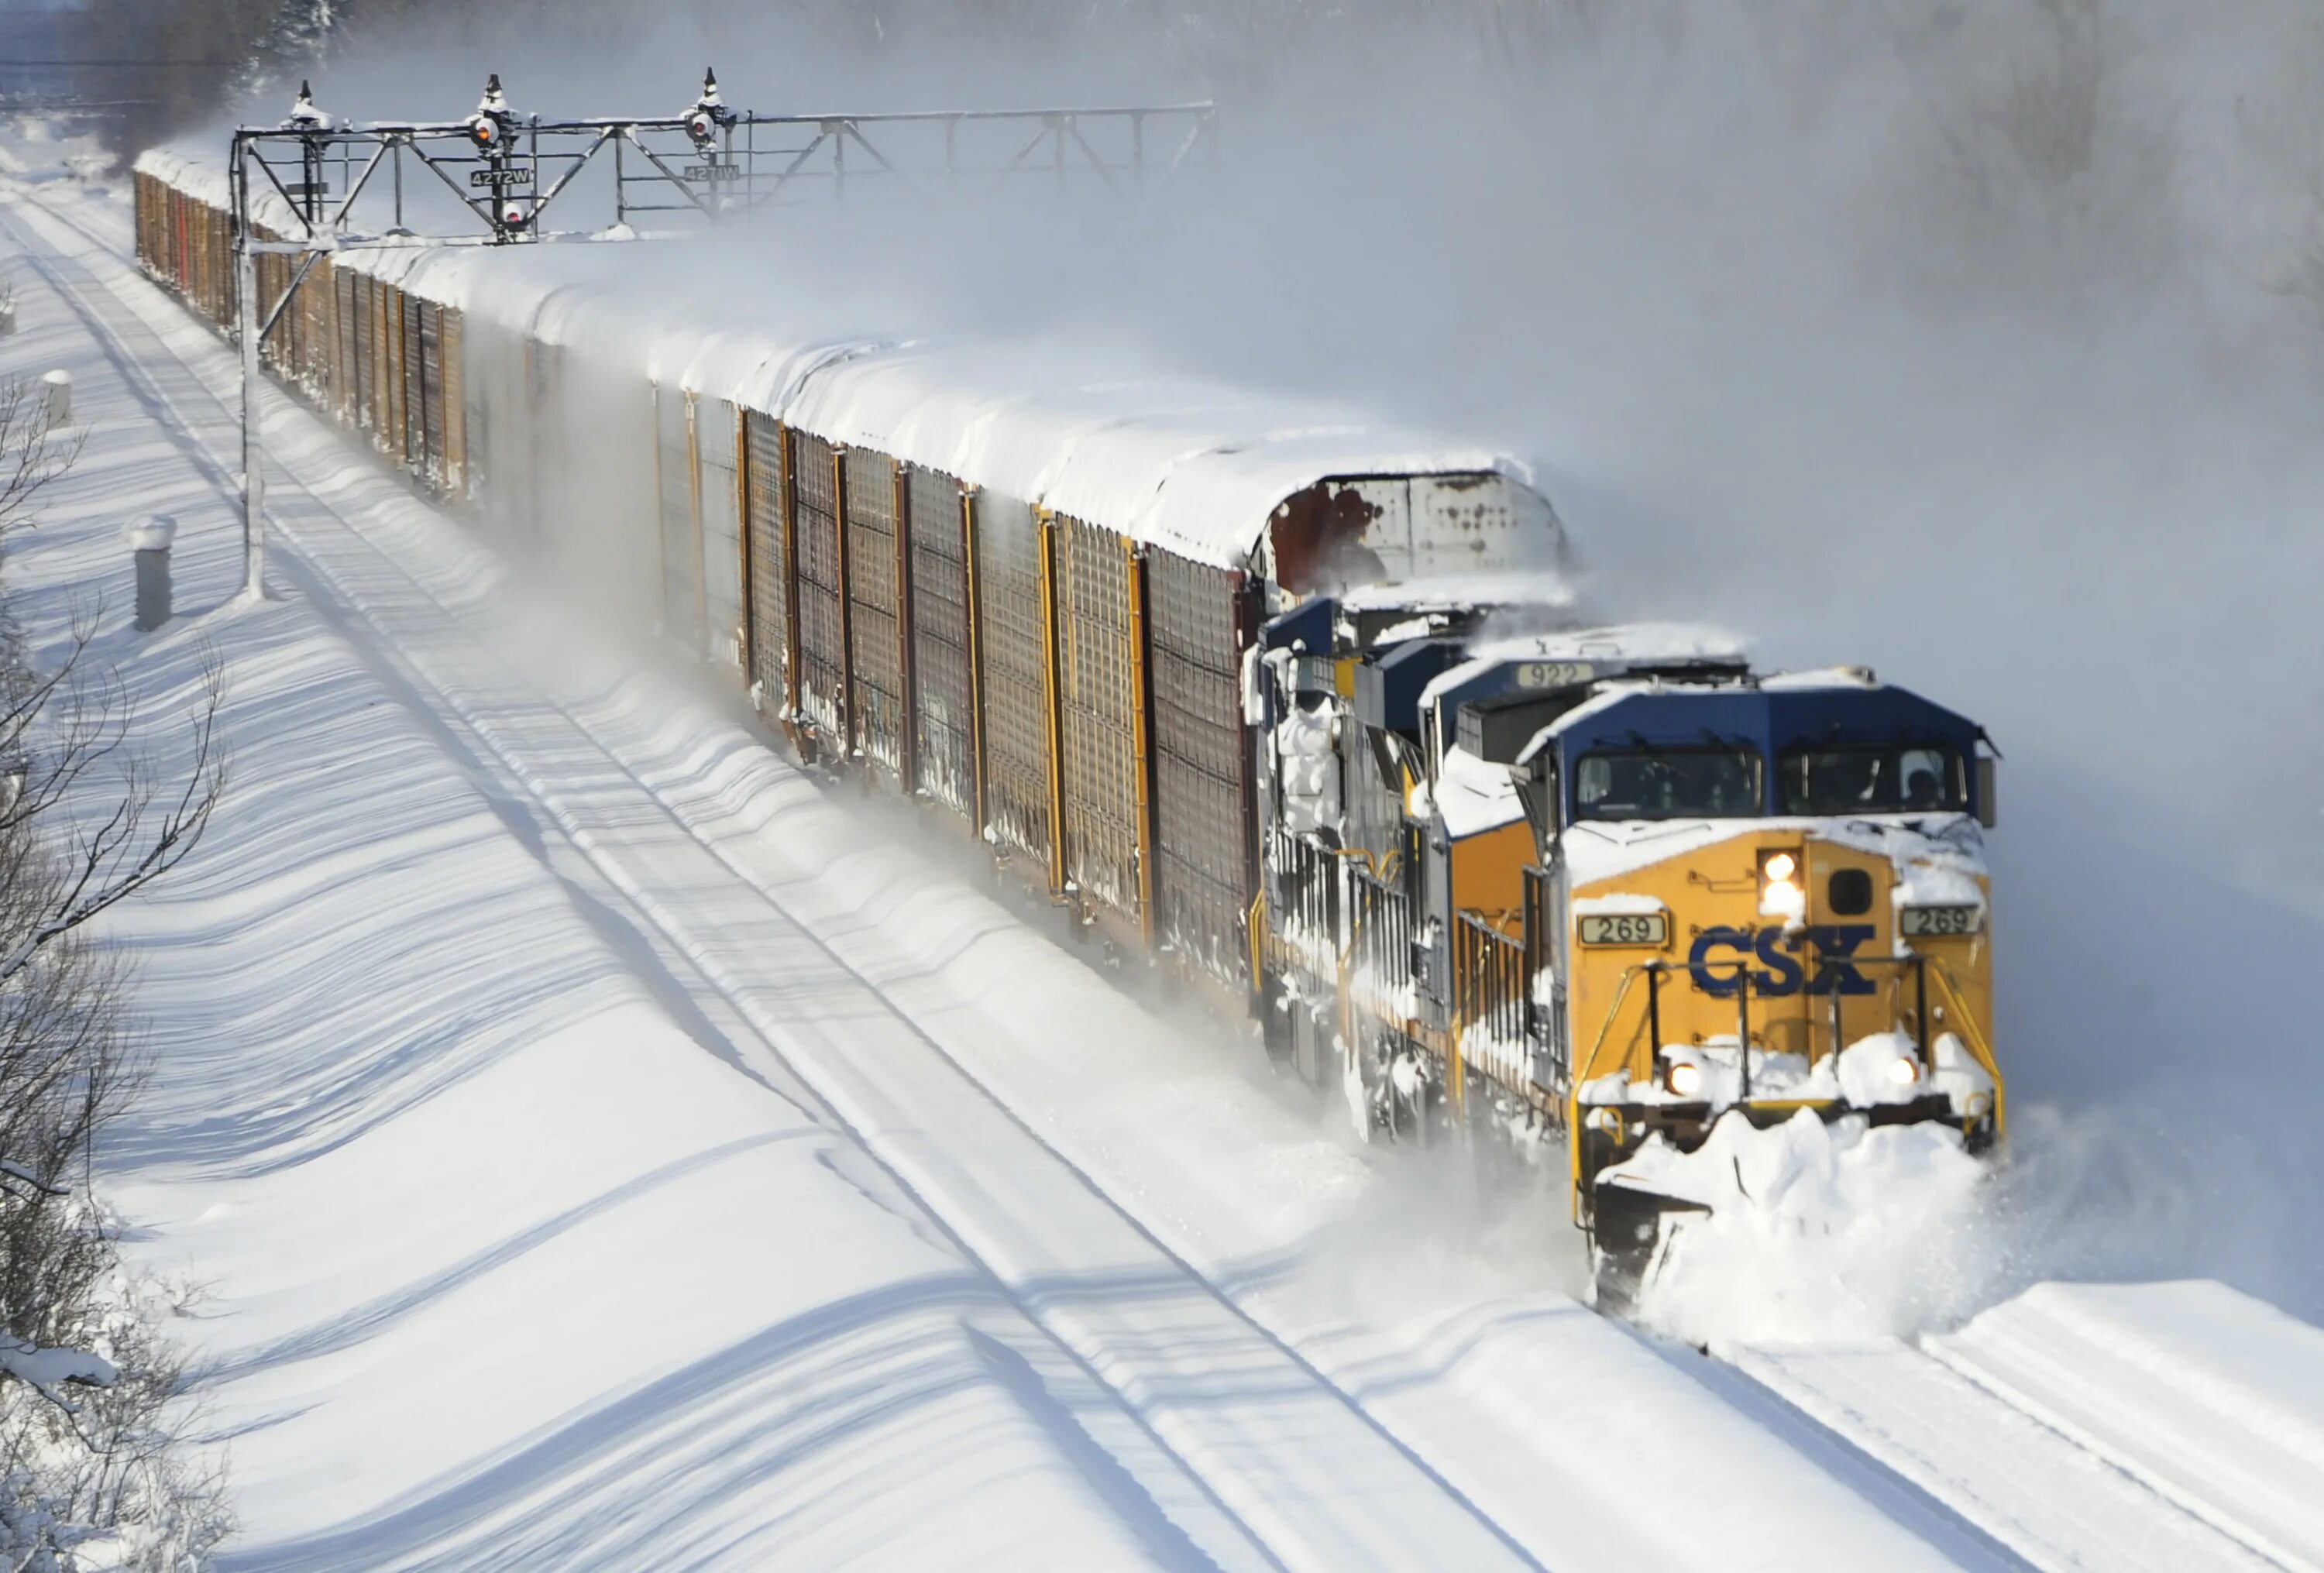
{"x": 1717, "y": 960}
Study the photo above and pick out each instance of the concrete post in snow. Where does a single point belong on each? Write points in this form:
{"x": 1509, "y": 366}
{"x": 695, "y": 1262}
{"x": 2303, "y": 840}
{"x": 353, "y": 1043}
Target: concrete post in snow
{"x": 56, "y": 389}
{"x": 149, "y": 542}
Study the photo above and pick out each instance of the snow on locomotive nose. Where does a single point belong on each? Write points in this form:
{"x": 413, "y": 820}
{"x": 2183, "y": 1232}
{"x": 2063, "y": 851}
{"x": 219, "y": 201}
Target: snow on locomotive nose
{"x": 1614, "y": 886}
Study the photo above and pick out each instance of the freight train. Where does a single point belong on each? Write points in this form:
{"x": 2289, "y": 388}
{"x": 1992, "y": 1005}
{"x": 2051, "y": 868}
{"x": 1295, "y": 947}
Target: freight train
{"x": 1302, "y": 710}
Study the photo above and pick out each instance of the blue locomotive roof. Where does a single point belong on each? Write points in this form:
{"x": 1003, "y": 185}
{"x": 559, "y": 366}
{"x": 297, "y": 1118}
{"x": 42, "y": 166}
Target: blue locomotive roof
{"x": 1772, "y": 720}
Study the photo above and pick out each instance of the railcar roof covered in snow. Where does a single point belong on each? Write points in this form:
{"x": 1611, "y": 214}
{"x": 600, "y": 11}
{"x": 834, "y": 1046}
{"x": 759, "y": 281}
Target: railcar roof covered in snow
{"x": 1195, "y": 466}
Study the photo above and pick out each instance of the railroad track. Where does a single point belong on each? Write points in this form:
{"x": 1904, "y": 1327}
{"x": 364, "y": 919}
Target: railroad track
{"x": 2054, "y": 1500}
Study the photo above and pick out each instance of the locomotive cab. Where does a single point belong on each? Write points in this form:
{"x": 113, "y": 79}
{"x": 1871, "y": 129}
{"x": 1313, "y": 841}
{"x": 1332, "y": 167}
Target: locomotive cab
{"x": 1770, "y": 896}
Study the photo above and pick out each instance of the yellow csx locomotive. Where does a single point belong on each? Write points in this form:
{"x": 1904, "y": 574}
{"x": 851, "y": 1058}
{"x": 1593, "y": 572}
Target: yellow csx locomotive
{"x": 1611, "y": 884}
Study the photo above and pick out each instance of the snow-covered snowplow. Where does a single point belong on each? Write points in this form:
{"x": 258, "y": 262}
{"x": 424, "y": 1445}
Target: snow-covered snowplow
{"x": 1608, "y": 883}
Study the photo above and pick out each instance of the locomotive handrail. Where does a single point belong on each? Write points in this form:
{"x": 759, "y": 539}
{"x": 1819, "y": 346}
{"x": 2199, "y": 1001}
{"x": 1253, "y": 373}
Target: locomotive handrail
{"x": 1588, "y": 1069}
{"x": 1973, "y": 1036}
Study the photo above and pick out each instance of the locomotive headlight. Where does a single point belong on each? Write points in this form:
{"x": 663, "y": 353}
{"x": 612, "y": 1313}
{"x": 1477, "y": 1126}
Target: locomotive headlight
{"x": 1683, "y": 1078}
{"x": 1780, "y": 895}
{"x": 1905, "y": 1071}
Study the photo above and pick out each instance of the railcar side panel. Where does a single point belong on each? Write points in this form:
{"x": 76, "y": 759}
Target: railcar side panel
{"x": 263, "y": 275}
{"x": 370, "y": 349}
{"x": 874, "y": 628}
{"x": 771, "y": 588}
{"x": 681, "y": 547}
{"x": 411, "y": 447}
{"x": 431, "y": 465}
{"x": 392, "y": 376}
{"x": 315, "y": 299}
{"x": 455, "y": 388}
{"x": 217, "y": 265}
{"x": 822, "y": 616}
{"x": 944, "y": 724}
{"x": 1098, "y": 698}
{"x": 1200, "y": 766}
{"x": 719, "y": 510}
{"x": 345, "y": 328}
{"x": 528, "y": 500}
{"x": 1016, "y": 685}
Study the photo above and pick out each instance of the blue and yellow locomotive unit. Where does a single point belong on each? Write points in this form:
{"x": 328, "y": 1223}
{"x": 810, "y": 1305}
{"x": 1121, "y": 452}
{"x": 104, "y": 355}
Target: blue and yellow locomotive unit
{"x": 1612, "y": 885}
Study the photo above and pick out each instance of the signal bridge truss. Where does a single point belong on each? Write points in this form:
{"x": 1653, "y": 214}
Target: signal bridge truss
{"x": 494, "y": 177}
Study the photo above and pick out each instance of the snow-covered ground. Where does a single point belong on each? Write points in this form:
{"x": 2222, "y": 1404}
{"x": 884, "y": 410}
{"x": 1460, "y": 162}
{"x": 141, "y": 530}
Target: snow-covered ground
{"x": 597, "y": 1147}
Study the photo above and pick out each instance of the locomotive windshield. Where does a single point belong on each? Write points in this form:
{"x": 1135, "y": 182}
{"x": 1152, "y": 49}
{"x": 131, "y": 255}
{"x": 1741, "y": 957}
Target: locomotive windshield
{"x": 1873, "y": 780}
{"x": 1669, "y": 784}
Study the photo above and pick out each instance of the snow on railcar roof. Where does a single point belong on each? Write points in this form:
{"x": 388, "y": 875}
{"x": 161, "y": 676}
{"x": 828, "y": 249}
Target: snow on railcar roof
{"x": 1627, "y": 641}
{"x": 1464, "y": 593}
{"x": 1197, "y": 467}
{"x": 1634, "y": 644}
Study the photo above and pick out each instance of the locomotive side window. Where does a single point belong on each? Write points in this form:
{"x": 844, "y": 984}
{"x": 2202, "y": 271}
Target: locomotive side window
{"x": 1872, "y": 780}
{"x": 1668, "y": 784}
